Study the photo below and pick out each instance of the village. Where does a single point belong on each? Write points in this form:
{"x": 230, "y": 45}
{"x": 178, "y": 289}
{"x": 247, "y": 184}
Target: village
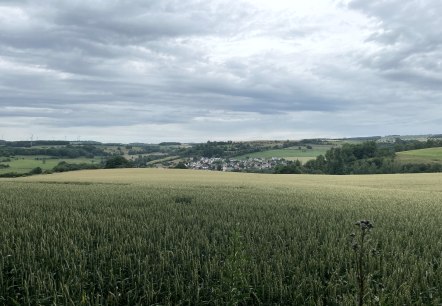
{"x": 220, "y": 164}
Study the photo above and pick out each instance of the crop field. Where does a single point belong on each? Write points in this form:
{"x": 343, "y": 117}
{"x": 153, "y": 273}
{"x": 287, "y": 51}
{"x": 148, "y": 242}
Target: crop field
{"x": 22, "y": 164}
{"x": 292, "y": 153}
{"x": 183, "y": 237}
{"x": 430, "y": 155}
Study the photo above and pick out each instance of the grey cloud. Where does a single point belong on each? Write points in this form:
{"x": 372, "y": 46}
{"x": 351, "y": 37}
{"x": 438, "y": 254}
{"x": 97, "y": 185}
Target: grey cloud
{"x": 124, "y": 63}
{"x": 424, "y": 81}
{"x": 410, "y": 36}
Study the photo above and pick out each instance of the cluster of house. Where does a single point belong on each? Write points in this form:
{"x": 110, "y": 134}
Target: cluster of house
{"x": 221, "y": 164}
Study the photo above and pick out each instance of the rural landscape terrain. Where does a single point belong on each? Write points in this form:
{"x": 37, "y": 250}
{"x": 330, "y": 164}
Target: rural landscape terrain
{"x": 167, "y": 236}
{"x": 366, "y": 155}
{"x": 221, "y": 152}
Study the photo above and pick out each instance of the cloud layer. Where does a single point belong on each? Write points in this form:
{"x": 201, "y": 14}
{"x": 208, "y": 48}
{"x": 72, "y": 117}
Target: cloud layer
{"x": 197, "y": 70}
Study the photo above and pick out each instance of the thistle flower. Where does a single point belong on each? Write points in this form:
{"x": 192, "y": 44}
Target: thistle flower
{"x": 359, "y": 245}
{"x": 365, "y": 225}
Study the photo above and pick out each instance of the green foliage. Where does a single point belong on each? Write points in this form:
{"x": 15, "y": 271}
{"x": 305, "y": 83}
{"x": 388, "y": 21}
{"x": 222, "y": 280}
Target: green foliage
{"x": 36, "y": 170}
{"x": 365, "y": 158}
{"x": 64, "y": 166}
{"x": 180, "y": 165}
{"x": 68, "y": 151}
{"x": 170, "y": 143}
{"x": 222, "y": 149}
{"x": 13, "y": 174}
{"x": 117, "y": 162}
{"x": 335, "y": 161}
{"x": 146, "y": 150}
{"x": 290, "y": 168}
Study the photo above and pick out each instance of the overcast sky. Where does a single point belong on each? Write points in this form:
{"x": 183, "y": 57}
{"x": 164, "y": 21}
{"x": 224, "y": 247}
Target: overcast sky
{"x": 187, "y": 70}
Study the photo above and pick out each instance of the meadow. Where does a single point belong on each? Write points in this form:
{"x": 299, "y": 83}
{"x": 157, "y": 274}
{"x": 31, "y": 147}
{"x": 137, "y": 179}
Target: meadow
{"x": 429, "y": 155}
{"x": 183, "y": 237}
{"x": 23, "y": 164}
{"x": 291, "y": 153}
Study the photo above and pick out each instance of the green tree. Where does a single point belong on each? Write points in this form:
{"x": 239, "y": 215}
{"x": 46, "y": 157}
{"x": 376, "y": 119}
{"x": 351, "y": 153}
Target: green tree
{"x": 117, "y": 162}
{"x": 181, "y": 165}
{"x": 36, "y": 170}
{"x": 335, "y": 163}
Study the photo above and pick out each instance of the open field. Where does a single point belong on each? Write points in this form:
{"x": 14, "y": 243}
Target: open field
{"x": 430, "y": 155}
{"x": 23, "y": 164}
{"x": 155, "y": 236}
{"x": 292, "y": 153}
{"x": 158, "y": 161}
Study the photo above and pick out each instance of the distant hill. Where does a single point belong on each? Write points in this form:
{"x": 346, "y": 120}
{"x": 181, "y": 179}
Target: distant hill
{"x": 392, "y": 138}
{"x": 170, "y": 143}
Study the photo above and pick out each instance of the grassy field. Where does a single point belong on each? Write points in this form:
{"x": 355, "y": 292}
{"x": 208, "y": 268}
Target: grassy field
{"x": 158, "y": 161}
{"x": 292, "y": 153}
{"x": 23, "y": 164}
{"x": 430, "y": 155}
{"x": 183, "y": 237}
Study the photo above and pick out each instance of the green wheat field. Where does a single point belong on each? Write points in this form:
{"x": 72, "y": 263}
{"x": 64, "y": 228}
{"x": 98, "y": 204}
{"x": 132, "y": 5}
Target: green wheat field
{"x": 183, "y": 237}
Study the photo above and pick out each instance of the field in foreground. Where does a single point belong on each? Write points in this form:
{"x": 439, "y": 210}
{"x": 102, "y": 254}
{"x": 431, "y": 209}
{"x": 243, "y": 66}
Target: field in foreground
{"x": 145, "y": 236}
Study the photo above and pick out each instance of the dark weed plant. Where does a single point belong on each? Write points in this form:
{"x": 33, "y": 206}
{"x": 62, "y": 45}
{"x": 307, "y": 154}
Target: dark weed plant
{"x": 359, "y": 243}
{"x": 183, "y": 200}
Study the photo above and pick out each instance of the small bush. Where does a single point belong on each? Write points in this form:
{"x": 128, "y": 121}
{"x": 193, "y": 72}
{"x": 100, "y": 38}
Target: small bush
{"x": 64, "y": 166}
{"x": 117, "y": 162}
{"x": 13, "y": 174}
{"x": 36, "y": 170}
{"x": 183, "y": 200}
{"x": 181, "y": 165}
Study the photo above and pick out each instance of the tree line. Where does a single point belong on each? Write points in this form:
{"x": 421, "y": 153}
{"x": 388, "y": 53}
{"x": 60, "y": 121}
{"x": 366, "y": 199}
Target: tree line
{"x": 365, "y": 158}
{"x": 68, "y": 151}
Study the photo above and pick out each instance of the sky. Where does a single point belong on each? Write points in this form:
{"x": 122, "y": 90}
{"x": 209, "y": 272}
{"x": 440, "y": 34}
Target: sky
{"x": 191, "y": 70}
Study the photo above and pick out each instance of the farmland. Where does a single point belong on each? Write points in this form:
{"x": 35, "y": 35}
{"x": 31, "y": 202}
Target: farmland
{"x": 292, "y": 153}
{"x": 153, "y": 236}
{"x": 23, "y": 164}
{"x": 429, "y": 155}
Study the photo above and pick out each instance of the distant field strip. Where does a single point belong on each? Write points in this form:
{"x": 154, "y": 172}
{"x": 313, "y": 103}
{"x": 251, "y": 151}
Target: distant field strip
{"x": 430, "y": 155}
{"x": 185, "y": 237}
{"x": 292, "y": 153}
{"x": 27, "y": 163}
